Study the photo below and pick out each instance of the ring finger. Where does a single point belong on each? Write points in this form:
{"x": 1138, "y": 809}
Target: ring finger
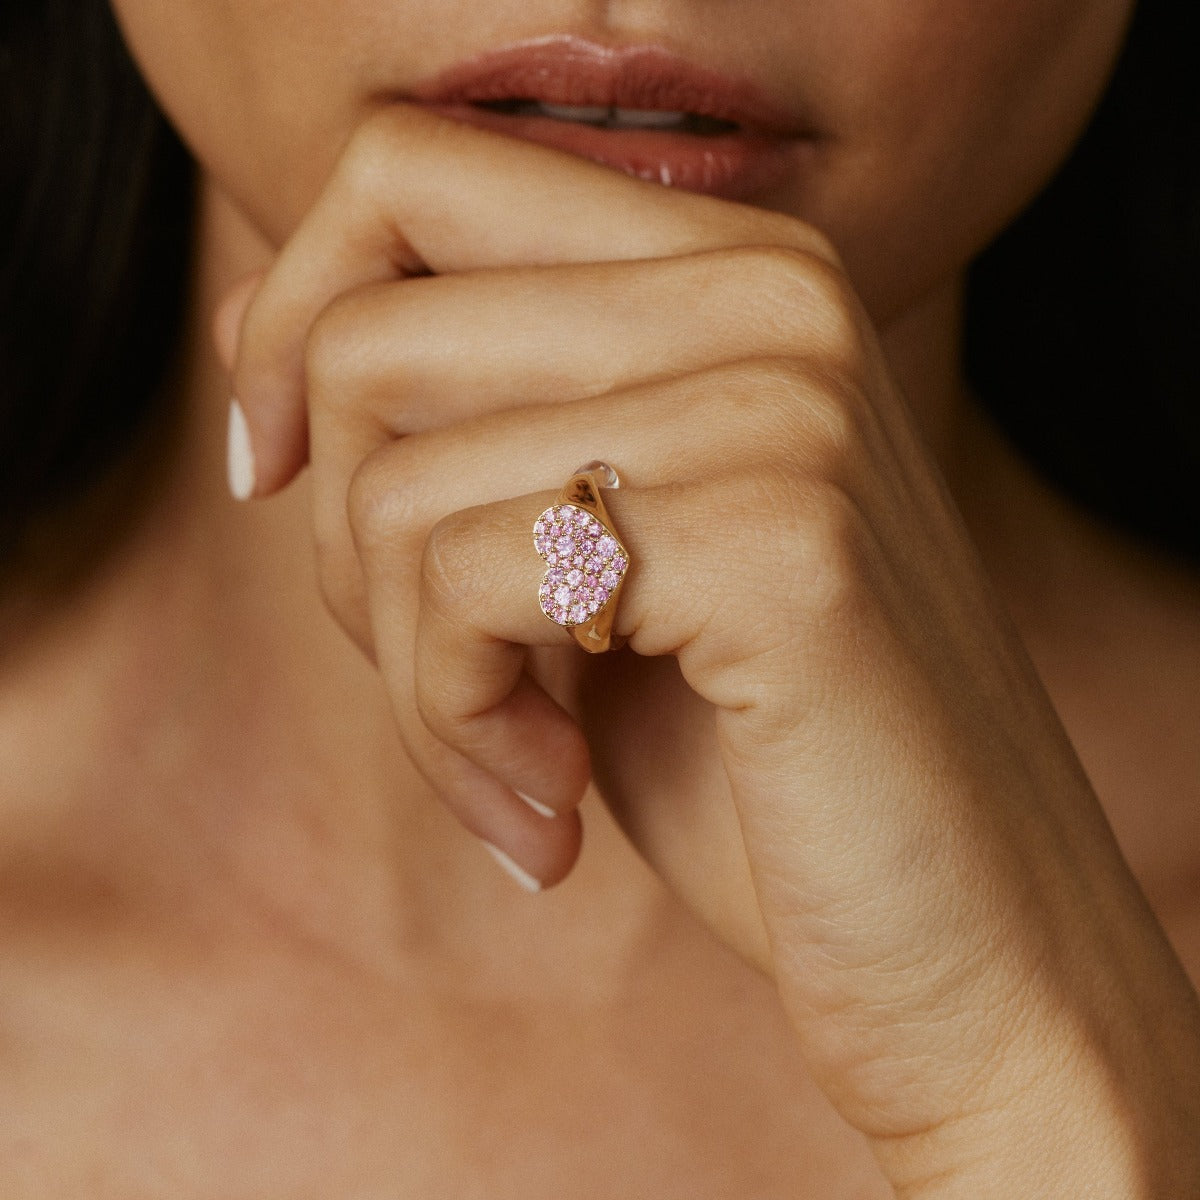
{"x": 481, "y": 708}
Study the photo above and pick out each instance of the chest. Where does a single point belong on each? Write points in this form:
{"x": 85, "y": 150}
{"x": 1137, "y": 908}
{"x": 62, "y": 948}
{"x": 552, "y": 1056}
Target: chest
{"x": 313, "y": 1084}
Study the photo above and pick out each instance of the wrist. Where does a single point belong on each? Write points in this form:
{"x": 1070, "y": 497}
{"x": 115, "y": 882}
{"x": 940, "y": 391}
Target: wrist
{"x": 1092, "y": 1088}
{"x": 1078, "y": 1130}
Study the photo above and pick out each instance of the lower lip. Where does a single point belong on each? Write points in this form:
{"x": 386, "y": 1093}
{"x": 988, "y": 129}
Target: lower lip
{"x": 737, "y": 166}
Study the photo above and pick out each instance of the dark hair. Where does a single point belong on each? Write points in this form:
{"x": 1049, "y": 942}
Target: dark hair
{"x": 95, "y": 205}
{"x": 1082, "y": 319}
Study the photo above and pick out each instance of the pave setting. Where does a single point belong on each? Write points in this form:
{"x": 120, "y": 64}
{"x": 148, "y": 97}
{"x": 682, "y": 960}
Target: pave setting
{"x": 585, "y": 564}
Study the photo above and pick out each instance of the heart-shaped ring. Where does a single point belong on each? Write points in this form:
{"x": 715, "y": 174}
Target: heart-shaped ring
{"x": 585, "y": 560}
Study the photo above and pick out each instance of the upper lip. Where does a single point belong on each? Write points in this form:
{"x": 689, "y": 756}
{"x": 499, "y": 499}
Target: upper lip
{"x": 564, "y": 69}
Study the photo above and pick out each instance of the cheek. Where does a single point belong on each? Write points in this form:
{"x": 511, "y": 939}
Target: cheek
{"x": 255, "y": 88}
{"x": 953, "y": 116}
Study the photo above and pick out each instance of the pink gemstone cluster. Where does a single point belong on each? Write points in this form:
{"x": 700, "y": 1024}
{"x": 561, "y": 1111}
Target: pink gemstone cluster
{"x": 586, "y": 563}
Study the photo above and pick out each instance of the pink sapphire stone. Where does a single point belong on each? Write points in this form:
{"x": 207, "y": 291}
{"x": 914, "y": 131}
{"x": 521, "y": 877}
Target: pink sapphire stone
{"x": 585, "y": 561}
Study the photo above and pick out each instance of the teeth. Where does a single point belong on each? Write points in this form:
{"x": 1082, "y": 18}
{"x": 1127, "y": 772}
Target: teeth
{"x": 574, "y": 112}
{"x": 611, "y": 118}
{"x": 646, "y": 118}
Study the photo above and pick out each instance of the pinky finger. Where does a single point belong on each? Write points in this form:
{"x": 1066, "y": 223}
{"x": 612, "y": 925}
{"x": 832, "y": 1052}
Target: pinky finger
{"x": 535, "y": 845}
{"x": 474, "y": 695}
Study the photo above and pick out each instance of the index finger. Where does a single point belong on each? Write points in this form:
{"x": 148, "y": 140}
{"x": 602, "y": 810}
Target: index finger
{"x": 419, "y": 193}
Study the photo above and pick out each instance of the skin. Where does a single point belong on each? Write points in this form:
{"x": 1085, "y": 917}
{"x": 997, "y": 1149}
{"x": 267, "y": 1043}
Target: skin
{"x": 948, "y": 943}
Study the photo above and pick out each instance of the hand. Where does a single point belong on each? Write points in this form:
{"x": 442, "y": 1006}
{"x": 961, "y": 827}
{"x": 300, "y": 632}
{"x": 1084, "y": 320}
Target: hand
{"x": 466, "y": 319}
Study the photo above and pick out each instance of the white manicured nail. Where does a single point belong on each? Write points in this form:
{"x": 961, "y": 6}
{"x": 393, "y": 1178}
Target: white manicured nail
{"x": 522, "y": 876}
{"x": 538, "y": 806}
{"x": 240, "y": 460}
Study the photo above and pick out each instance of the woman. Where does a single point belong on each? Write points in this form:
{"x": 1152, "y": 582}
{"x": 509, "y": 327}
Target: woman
{"x": 887, "y": 943}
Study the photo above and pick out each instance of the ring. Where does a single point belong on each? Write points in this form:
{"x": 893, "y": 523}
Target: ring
{"x": 585, "y": 560}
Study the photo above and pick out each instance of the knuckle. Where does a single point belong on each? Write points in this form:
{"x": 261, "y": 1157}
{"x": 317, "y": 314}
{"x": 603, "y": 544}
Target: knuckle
{"x": 379, "y": 503}
{"x": 807, "y": 299}
{"x": 448, "y": 713}
{"x": 810, "y": 415}
{"x": 768, "y": 227}
{"x": 373, "y": 143}
{"x": 761, "y": 400}
{"x": 431, "y": 705}
{"x": 450, "y": 575}
{"x": 792, "y": 231}
{"x": 837, "y": 548}
{"x": 822, "y": 247}
{"x": 787, "y": 388}
{"x": 395, "y": 134}
{"x": 341, "y": 358}
{"x": 785, "y": 270}
{"x": 820, "y": 543}
{"x": 328, "y": 349}
{"x": 837, "y": 429}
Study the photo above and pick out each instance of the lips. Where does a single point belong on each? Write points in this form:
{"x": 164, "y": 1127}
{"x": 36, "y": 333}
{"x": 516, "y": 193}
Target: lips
{"x": 732, "y": 141}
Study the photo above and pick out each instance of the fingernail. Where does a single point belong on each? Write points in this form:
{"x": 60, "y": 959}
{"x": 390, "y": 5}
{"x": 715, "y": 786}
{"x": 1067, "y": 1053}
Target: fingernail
{"x": 240, "y": 455}
{"x": 538, "y": 806}
{"x": 522, "y": 876}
